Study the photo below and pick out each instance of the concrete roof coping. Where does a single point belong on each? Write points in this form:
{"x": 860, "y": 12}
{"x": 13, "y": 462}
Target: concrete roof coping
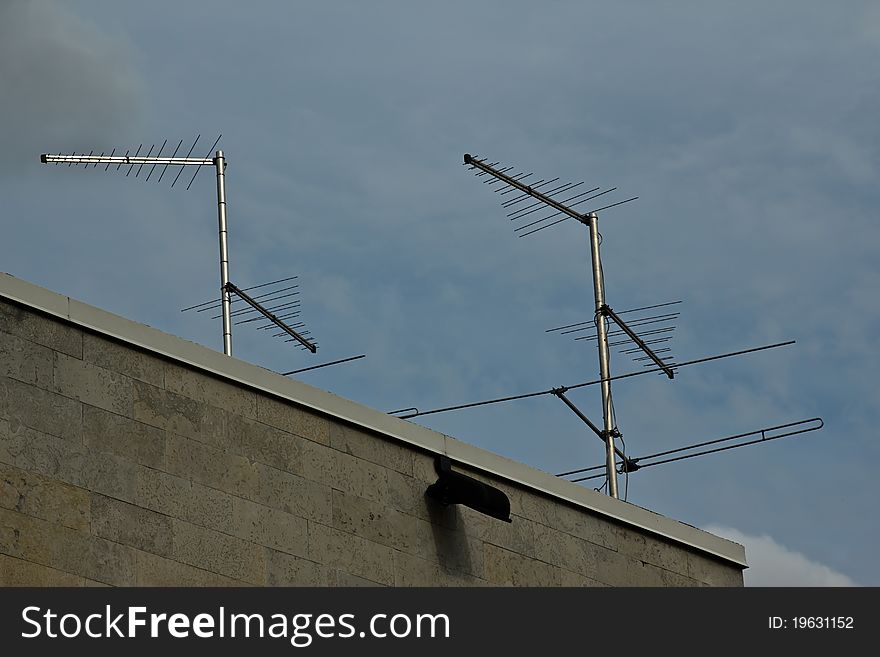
{"x": 258, "y": 378}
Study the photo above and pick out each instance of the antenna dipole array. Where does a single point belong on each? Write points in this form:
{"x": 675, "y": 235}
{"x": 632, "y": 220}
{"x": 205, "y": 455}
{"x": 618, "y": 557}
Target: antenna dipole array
{"x": 653, "y": 329}
{"x": 272, "y": 306}
{"x": 132, "y": 160}
{"x": 539, "y": 191}
{"x": 275, "y": 299}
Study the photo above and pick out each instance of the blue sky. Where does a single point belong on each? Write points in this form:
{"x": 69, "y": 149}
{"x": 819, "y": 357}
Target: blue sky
{"x": 748, "y": 130}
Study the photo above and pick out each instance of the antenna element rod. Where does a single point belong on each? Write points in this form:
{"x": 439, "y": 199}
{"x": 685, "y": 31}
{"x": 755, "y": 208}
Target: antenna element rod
{"x": 618, "y": 377}
{"x": 333, "y": 362}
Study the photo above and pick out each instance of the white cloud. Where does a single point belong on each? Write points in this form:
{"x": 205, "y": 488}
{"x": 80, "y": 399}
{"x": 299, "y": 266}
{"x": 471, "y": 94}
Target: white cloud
{"x": 772, "y": 564}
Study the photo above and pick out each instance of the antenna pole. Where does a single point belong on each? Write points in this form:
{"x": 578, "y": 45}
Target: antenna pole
{"x": 225, "y": 294}
{"x": 592, "y": 222}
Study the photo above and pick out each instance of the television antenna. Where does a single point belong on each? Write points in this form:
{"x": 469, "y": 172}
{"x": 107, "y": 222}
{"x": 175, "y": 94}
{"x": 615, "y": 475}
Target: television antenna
{"x": 218, "y": 161}
{"x": 540, "y": 196}
{"x": 543, "y": 198}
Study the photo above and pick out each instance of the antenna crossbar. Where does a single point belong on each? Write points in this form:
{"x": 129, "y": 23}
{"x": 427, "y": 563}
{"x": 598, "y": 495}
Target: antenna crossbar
{"x": 530, "y": 190}
{"x": 48, "y": 158}
{"x": 766, "y": 434}
{"x": 606, "y": 310}
{"x": 231, "y": 287}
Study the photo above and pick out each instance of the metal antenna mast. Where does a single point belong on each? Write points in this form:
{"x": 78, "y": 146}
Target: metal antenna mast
{"x": 602, "y": 311}
{"x": 225, "y": 290}
{"x": 592, "y": 222}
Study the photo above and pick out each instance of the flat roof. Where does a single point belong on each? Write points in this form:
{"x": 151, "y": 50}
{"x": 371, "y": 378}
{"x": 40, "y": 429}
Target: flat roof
{"x": 258, "y": 378}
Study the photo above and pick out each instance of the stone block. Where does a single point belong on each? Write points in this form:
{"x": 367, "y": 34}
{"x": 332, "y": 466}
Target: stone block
{"x": 130, "y": 439}
{"x": 453, "y": 550}
{"x": 344, "y": 579}
{"x": 26, "y": 361}
{"x": 18, "y": 572}
{"x": 124, "y": 359}
{"x": 219, "y": 553}
{"x": 34, "y": 495}
{"x": 581, "y": 523}
{"x": 557, "y": 514}
{"x": 181, "y": 498}
{"x": 288, "y": 570}
{"x": 656, "y": 576}
{"x": 93, "y": 385}
{"x": 369, "y": 447}
{"x": 295, "y": 495}
{"x": 317, "y": 462}
{"x": 100, "y": 472}
{"x": 424, "y": 466}
{"x": 524, "y": 503}
{"x": 534, "y": 506}
{"x": 506, "y": 568}
{"x": 40, "y": 409}
{"x": 270, "y": 527}
{"x": 92, "y": 584}
{"x": 60, "y": 459}
{"x": 617, "y": 569}
{"x": 265, "y": 444}
{"x": 346, "y": 473}
{"x": 594, "y": 561}
{"x": 713, "y": 571}
{"x": 567, "y": 551}
{"x": 652, "y": 550}
{"x": 293, "y": 419}
{"x": 411, "y": 570}
{"x": 570, "y": 579}
{"x": 407, "y": 494}
{"x": 46, "y": 331}
{"x": 153, "y": 570}
{"x": 204, "y": 388}
{"x": 350, "y": 553}
{"x": 218, "y": 469}
{"x": 375, "y": 521}
{"x": 65, "y": 549}
{"x": 520, "y": 535}
{"x": 178, "y": 414}
{"x": 131, "y": 525}
{"x": 32, "y": 450}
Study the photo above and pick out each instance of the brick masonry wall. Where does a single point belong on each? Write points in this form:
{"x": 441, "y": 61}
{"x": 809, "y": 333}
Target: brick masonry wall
{"x": 121, "y": 468}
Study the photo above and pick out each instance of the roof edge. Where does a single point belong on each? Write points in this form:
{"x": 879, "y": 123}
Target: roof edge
{"x": 258, "y": 378}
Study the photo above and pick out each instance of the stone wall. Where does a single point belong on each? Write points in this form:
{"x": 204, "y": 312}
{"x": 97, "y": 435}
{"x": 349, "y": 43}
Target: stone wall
{"x": 121, "y": 467}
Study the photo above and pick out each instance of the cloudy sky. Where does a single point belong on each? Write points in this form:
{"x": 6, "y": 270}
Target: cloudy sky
{"x": 748, "y": 130}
